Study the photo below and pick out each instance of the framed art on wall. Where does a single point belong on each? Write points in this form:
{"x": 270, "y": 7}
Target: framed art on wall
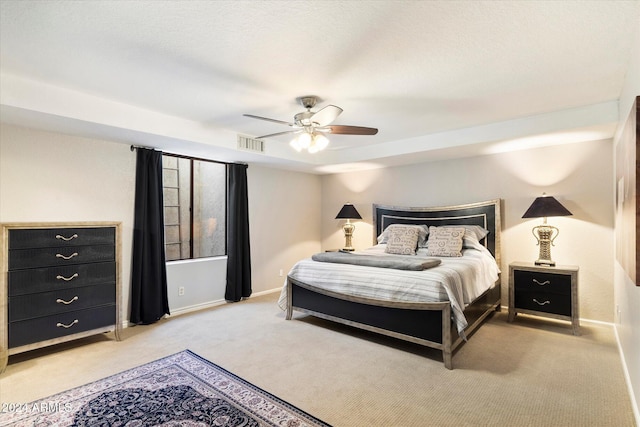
{"x": 627, "y": 209}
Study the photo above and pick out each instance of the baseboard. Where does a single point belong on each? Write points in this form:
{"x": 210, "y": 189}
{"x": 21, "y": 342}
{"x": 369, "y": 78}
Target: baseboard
{"x": 196, "y": 307}
{"x": 267, "y": 292}
{"x": 627, "y": 377}
{"x": 216, "y": 303}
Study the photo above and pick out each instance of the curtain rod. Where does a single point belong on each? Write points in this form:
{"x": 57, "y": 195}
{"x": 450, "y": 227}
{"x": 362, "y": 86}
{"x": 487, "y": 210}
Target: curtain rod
{"x": 182, "y": 156}
{"x": 135, "y": 147}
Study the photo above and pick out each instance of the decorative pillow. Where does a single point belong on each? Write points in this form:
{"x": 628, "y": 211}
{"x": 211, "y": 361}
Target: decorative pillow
{"x": 445, "y": 241}
{"x": 478, "y": 231}
{"x": 422, "y": 233}
{"x": 402, "y": 240}
{"x": 473, "y": 235}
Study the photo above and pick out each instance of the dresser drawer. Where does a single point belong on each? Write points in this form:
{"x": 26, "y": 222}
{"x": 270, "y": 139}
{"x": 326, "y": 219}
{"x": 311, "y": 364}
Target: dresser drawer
{"x": 61, "y": 237}
{"x": 544, "y": 301}
{"x": 48, "y": 278}
{"x": 535, "y": 281}
{"x": 60, "y": 301}
{"x": 59, "y": 256}
{"x": 60, "y": 325}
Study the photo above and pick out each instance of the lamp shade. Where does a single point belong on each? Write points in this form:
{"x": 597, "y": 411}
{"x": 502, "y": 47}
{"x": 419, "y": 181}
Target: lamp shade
{"x": 348, "y": 211}
{"x": 545, "y": 206}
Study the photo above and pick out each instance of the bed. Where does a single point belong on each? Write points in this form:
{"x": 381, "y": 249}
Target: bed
{"x": 442, "y": 322}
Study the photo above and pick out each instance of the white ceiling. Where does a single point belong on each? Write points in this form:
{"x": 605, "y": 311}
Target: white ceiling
{"x": 439, "y": 79}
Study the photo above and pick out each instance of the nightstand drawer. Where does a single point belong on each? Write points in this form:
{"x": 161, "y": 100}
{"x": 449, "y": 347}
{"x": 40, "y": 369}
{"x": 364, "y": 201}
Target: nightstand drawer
{"x": 544, "y": 301}
{"x": 536, "y": 281}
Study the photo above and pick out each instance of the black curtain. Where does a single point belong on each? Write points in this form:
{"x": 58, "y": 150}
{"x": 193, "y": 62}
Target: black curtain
{"x": 149, "y": 300}
{"x": 238, "y": 256}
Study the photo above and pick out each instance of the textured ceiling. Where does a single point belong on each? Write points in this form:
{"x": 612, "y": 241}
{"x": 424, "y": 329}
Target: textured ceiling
{"x": 430, "y": 75}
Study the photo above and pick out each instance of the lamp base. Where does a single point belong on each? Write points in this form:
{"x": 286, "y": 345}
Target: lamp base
{"x": 348, "y": 234}
{"x": 546, "y": 236}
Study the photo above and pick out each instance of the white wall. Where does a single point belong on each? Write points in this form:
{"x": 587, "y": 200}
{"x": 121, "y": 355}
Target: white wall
{"x": 626, "y": 293}
{"x": 578, "y": 175}
{"x": 284, "y": 222}
{"x": 47, "y": 177}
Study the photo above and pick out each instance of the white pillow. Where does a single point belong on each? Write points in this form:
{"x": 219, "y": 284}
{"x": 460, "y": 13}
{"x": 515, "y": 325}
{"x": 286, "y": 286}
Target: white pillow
{"x": 422, "y": 233}
{"x": 445, "y": 241}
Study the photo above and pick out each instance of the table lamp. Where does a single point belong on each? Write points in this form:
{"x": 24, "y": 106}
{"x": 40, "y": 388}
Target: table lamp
{"x": 348, "y": 212}
{"x": 543, "y": 207}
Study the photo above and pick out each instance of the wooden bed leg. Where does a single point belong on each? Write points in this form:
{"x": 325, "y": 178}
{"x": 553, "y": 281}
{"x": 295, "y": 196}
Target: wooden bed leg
{"x": 447, "y": 353}
{"x": 448, "y": 362}
{"x": 4, "y": 360}
{"x": 289, "y": 299}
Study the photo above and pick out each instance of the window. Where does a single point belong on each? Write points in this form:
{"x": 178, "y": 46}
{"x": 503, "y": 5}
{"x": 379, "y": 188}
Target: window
{"x": 195, "y": 194}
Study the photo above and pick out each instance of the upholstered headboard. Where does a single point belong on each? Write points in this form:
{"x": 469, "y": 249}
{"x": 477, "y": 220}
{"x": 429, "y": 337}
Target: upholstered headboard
{"x": 485, "y": 214}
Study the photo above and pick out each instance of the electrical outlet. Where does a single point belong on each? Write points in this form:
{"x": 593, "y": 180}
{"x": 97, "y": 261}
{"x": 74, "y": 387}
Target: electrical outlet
{"x": 181, "y": 291}
{"x": 280, "y": 272}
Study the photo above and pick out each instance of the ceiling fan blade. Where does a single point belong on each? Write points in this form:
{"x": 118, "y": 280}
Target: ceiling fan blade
{"x": 277, "y": 134}
{"x": 326, "y": 115}
{"x": 269, "y": 120}
{"x": 352, "y": 130}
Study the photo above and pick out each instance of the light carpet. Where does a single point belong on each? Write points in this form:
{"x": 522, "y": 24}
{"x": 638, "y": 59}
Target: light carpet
{"x": 532, "y": 372}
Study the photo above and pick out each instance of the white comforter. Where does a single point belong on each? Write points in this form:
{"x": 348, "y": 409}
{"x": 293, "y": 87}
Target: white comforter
{"x": 457, "y": 279}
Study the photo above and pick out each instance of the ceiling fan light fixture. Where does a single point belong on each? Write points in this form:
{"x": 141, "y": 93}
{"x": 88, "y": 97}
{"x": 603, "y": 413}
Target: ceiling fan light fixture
{"x": 310, "y": 141}
{"x": 310, "y": 126}
{"x": 295, "y": 144}
{"x": 320, "y": 141}
{"x": 305, "y": 140}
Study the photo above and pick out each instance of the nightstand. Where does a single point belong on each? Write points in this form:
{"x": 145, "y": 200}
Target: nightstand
{"x": 544, "y": 291}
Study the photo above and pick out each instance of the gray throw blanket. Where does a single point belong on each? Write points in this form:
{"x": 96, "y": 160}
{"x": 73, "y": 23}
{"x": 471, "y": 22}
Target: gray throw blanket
{"x": 398, "y": 263}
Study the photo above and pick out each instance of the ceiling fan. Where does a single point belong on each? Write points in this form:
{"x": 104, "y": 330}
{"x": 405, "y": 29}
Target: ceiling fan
{"x": 310, "y": 126}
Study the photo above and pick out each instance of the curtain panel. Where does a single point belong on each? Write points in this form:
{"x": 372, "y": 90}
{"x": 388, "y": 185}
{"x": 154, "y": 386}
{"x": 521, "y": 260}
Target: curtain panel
{"x": 149, "y": 301}
{"x": 238, "y": 250}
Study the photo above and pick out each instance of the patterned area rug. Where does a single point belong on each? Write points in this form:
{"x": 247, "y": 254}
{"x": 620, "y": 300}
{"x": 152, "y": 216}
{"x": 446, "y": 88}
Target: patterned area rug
{"x": 179, "y": 390}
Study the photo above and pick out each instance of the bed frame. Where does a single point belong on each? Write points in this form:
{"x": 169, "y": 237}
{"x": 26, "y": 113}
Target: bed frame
{"x": 428, "y": 324}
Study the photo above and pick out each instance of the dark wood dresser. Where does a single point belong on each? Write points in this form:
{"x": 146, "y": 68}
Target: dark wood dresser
{"x": 60, "y": 282}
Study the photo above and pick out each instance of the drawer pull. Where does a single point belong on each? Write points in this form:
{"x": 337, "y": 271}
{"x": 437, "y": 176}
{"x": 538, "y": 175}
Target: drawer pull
{"x": 66, "y": 279}
{"x": 541, "y": 303}
{"x": 62, "y": 325}
{"x": 67, "y": 257}
{"x": 546, "y": 282}
{"x": 61, "y": 301}
{"x": 66, "y": 239}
